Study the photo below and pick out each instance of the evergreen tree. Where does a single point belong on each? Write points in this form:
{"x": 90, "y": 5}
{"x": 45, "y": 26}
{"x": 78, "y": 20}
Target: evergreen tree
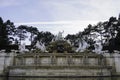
{"x": 7, "y": 30}
{"x": 44, "y": 37}
{"x": 33, "y": 32}
{"x": 21, "y": 33}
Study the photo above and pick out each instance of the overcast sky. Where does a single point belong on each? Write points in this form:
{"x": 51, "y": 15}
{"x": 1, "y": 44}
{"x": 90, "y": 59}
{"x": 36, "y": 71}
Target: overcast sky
{"x": 58, "y": 15}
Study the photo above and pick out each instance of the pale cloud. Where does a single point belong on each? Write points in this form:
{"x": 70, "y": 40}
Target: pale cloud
{"x": 7, "y": 3}
{"x": 69, "y": 27}
{"x": 53, "y": 22}
{"x": 103, "y": 8}
{"x": 63, "y": 10}
{"x": 82, "y": 9}
{"x": 68, "y": 15}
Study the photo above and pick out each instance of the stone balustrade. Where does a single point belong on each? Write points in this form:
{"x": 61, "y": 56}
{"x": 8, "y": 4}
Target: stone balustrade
{"x": 60, "y": 60}
{"x": 59, "y": 64}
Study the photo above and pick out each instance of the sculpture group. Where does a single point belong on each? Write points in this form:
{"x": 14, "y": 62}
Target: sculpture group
{"x": 82, "y": 45}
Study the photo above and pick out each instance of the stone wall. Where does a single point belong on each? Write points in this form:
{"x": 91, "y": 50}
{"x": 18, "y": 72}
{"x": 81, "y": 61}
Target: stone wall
{"x": 57, "y": 64}
{"x": 6, "y": 59}
{"x": 59, "y": 60}
{"x": 88, "y": 62}
{"x": 113, "y": 60}
{"x": 60, "y": 72}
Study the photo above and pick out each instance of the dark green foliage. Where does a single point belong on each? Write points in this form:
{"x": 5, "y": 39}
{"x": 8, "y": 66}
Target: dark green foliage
{"x": 21, "y": 32}
{"x": 107, "y": 32}
{"x": 7, "y": 30}
{"x": 3, "y": 34}
{"x": 44, "y": 37}
{"x": 60, "y": 47}
{"x": 72, "y": 38}
{"x": 33, "y": 31}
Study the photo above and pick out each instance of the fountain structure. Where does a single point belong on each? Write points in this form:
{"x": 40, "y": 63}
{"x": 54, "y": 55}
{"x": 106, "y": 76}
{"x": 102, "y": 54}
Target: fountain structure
{"x": 60, "y": 61}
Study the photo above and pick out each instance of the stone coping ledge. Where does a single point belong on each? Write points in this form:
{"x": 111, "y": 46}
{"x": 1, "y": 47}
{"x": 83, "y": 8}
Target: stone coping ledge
{"x": 60, "y": 67}
{"x": 22, "y": 76}
{"x": 59, "y": 54}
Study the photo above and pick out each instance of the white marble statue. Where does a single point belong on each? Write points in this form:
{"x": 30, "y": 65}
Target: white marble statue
{"x": 40, "y": 46}
{"x": 59, "y": 36}
{"x": 22, "y": 48}
{"x": 98, "y": 47}
{"x": 82, "y": 46}
{"x": 68, "y": 41}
